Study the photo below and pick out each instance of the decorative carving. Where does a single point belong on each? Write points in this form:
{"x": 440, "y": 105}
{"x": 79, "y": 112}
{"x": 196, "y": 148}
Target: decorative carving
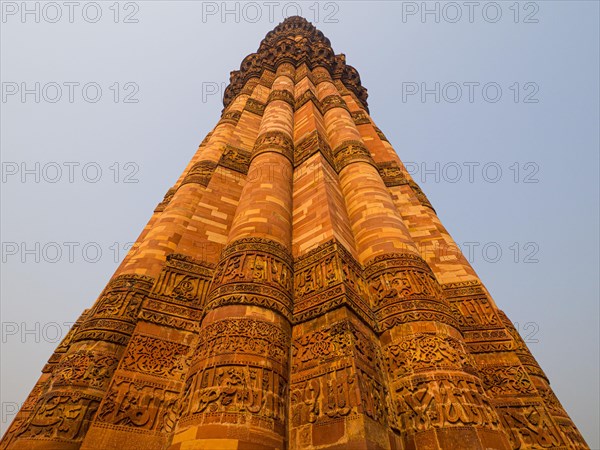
{"x": 350, "y": 151}
{"x": 390, "y": 286}
{"x": 283, "y": 95}
{"x": 168, "y": 320}
{"x": 249, "y": 86}
{"x": 254, "y": 271}
{"x": 60, "y": 416}
{"x": 381, "y": 135}
{"x": 200, "y": 173}
{"x": 243, "y": 335}
{"x": 255, "y": 107}
{"x": 183, "y": 280}
{"x": 166, "y": 200}
{"x": 530, "y": 427}
{"x": 274, "y": 141}
{"x": 326, "y": 278}
{"x": 372, "y": 396}
{"x": 85, "y": 368}
{"x": 423, "y": 403}
{"x": 391, "y": 174}
{"x": 331, "y": 396}
{"x": 206, "y": 139}
{"x": 506, "y": 380}
{"x": 158, "y": 357}
{"x": 321, "y": 76}
{"x": 305, "y": 97}
{"x": 295, "y": 41}
{"x": 420, "y": 195}
{"x": 235, "y": 159}
{"x": 423, "y": 352}
{"x": 476, "y": 312}
{"x": 112, "y": 318}
{"x": 333, "y": 101}
{"x": 360, "y": 117}
{"x": 231, "y": 117}
{"x": 139, "y": 404}
{"x": 404, "y": 290}
{"x": 331, "y": 343}
{"x": 235, "y": 389}
{"x": 311, "y": 144}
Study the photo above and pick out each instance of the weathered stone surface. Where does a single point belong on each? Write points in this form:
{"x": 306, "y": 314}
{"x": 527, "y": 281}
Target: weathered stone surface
{"x": 294, "y": 290}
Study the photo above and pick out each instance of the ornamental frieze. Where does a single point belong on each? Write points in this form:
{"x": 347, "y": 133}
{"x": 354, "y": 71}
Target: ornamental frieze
{"x": 231, "y": 117}
{"x": 158, "y": 357}
{"x": 391, "y": 173}
{"x": 331, "y": 396}
{"x": 139, "y": 404}
{"x": 183, "y": 280}
{"x": 420, "y": 195}
{"x": 235, "y": 159}
{"x": 166, "y": 200}
{"x": 340, "y": 340}
{"x": 305, "y": 97}
{"x": 381, "y": 135}
{"x": 274, "y": 141}
{"x": 243, "y": 335}
{"x": 476, "y": 312}
{"x": 255, "y": 107}
{"x": 333, "y": 101}
{"x": 425, "y": 352}
{"x": 328, "y": 277}
{"x": 283, "y": 95}
{"x": 441, "y": 401}
{"x": 200, "y": 173}
{"x": 530, "y": 427}
{"x": 60, "y": 416}
{"x": 506, "y": 380}
{"x": 85, "y": 368}
{"x": 351, "y": 151}
{"x": 235, "y": 389}
{"x": 360, "y": 117}
{"x": 312, "y": 143}
{"x": 255, "y": 260}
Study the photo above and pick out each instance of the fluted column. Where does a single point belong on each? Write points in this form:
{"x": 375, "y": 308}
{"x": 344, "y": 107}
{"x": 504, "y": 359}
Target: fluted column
{"x": 238, "y": 381}
{"x": 436, "y": 399}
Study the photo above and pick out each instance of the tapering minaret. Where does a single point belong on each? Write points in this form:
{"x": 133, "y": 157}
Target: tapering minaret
{"x": 294, "y": 290}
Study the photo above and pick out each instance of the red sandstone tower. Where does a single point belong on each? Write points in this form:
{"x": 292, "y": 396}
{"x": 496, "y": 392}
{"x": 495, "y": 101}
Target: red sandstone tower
{"x": 294, "y": 290}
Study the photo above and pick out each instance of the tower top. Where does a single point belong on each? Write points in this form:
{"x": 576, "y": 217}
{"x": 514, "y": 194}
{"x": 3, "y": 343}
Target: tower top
{"x": 295, "y": 41}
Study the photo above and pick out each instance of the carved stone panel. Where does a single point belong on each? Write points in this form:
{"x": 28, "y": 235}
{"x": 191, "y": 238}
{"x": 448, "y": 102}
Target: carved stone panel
{"x": 274, "y": 141}
{"x": 235, "y": 159}
{"x": 530, "y": 427}
{"x": 60, "y": 416}
{"x": 157, "y": 357}
{"x": 350, "y": 151}
{"x": 428, "y": 402}
{"x": 391, "y": 174}
{"x": 254, "y": 271}
{"x": 183, "y": 280}
{"x": 313, "y": 142}
{"x": 232, "y": 392}
{"x": 200, "y": 173}
{"x": 425, "y": 352}
{"x": 140, "y": 404}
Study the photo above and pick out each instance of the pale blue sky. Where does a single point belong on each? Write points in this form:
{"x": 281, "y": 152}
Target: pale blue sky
{"x": 172, "y": 54}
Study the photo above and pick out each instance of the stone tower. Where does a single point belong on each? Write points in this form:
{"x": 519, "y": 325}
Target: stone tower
{"x": 293, "y": 290}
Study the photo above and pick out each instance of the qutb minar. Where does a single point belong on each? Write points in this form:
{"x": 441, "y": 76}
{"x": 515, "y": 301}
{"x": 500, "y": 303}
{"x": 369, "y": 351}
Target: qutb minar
{"x": 286, "y": 294}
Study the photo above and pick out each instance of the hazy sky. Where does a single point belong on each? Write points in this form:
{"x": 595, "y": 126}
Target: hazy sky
{"x": 494, "y": 109}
